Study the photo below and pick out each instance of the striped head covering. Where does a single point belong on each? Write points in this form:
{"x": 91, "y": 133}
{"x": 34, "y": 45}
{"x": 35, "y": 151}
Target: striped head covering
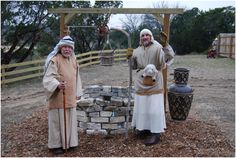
{"x": 67, "y": 40}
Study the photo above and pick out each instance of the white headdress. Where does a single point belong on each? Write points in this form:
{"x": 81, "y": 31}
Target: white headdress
{"x": 67, "y": 40}
{"x": 146, "y": 31}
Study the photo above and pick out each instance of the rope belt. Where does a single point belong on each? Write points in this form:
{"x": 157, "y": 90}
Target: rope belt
{"x": 139, "y": 69}
{"x": 150, "y": 92}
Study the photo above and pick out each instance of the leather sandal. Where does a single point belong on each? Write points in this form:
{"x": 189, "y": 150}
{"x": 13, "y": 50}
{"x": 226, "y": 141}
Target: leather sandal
{"x": 57, "y": 151}
{"x": 153, "y": 139}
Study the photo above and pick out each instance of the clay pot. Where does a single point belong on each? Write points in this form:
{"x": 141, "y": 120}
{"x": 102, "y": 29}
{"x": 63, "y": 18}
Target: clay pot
{"x": 180, "y": 95}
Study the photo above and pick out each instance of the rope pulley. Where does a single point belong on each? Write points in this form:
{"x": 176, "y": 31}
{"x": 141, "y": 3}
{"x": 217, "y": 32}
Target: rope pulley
{"x": 103, "y": 30}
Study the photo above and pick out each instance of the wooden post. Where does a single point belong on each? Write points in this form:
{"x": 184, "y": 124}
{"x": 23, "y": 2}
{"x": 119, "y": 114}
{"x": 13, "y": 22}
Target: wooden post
{"x": 165, "y": 71}
{"x": 64, "y": 20}
{"x": 62, "y": 25}
{"x": 63, "y": 28}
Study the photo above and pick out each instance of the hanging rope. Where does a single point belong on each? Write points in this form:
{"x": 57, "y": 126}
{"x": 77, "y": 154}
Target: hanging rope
{"x": 103, "y": 28}
{"x": 107, "y": 43}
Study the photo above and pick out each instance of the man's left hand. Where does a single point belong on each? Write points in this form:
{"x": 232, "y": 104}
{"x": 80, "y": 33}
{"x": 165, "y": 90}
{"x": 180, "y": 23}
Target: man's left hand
{"x": 163, "y": 39}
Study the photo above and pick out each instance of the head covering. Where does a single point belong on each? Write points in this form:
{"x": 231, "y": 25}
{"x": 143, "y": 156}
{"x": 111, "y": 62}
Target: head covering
{"x": 67, "y": 40}
{"x": 146, "y": 31}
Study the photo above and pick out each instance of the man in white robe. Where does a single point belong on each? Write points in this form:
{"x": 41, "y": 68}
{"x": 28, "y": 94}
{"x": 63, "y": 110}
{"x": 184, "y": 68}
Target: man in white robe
{"x": 62, "y": 75}
{"x": 149, "y": 115}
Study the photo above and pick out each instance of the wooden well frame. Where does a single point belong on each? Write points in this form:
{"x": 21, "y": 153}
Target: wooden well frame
{"x": 66, "y": 14}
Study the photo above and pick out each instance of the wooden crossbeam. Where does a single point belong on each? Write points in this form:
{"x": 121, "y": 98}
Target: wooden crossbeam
{"x": 117, "y": 10}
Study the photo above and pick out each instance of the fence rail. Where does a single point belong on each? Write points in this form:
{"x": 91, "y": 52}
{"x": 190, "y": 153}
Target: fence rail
{"x": 33, "y": 69}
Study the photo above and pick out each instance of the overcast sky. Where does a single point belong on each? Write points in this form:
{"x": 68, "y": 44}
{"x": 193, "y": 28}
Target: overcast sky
{"x": 204, "y": 5}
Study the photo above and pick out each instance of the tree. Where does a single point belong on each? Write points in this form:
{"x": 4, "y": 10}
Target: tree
{"x": 180, "y": 28}
{"x": 22, "y": 23}
{"x": 150, "y": 22}
{"x": 208, "y": 25}
{"x": 134, "y": 24}
{"x": 28, "y": 28}
{"x": 194, "y": 30}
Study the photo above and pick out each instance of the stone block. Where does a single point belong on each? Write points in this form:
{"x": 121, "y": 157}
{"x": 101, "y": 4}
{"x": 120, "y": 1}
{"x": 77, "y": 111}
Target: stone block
{"x": 99, "y": 119}
{"x": 110, "y": 126}
{"x": 89, "y": 131}
{"x": 85, "y": 102}
{"x": 118, "y": 131}
{"x": 118, "y": 119}
{"x": 83, "y": 125}
{"x": 83, "y": 119}
{"x": 93, "y": 114}
{"x": 86, "y": 95}
{"x": 81, "y": 113}
{"x": 116, "y": 101}
{"x": 94, "y": 95}
{"x": 100, "y": 102}
{"x": 106, "y": 88}
{"x": 94, "y": 108}
{"x": 92, "y": 89}
{"x": 105, "y": 113}
{"x": 115, "y": 89}
{"x": 110, "y": 108}
{"x": 95, "y": 126}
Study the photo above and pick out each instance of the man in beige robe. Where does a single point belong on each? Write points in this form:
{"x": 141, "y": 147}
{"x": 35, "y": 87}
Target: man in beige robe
{"x": 149, "y": 115}
{"x": 62, "y": 74}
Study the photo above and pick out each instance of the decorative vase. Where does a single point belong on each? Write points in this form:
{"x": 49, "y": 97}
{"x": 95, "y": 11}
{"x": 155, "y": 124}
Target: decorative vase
{"x": 180, "y": 95}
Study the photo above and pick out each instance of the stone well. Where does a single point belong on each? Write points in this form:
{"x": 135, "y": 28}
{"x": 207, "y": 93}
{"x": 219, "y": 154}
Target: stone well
{"x": 103, "y": 109}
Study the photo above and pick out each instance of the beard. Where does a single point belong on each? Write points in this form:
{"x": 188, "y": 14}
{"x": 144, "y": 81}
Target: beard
{"x": 146, "y": 43}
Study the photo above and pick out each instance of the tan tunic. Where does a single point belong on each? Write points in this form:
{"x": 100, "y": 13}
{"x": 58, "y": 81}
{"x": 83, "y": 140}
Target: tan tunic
{"x": 152, "y": 54}
{"x": 62, "y": 69}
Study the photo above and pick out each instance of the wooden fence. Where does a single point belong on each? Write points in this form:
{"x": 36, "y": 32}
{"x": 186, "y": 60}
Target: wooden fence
{"x": 33, "y": 69}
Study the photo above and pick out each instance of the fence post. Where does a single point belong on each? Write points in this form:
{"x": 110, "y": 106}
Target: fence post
{"x": 3, "y": 78}
{"x": 231, "y": 47}
{"x": 39, "y": 71}
{"x": 119, "y": 57}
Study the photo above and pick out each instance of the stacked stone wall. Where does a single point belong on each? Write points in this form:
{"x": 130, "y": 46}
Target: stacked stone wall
{"x": 104, "y": 109}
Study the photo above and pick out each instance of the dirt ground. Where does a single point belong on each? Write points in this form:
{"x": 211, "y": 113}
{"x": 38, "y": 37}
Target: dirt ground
{"x": 213, "y": 81}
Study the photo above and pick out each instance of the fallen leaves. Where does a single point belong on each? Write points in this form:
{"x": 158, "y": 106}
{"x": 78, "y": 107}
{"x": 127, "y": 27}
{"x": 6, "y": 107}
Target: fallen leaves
{"x": 191, "y": 138}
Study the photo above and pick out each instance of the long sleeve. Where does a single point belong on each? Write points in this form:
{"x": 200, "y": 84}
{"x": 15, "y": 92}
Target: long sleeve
{"x": 79, "y": 91}
{"x": 50, "y": 82}
{"x": 160, "y": 59}
{"x": 169, "y": 54}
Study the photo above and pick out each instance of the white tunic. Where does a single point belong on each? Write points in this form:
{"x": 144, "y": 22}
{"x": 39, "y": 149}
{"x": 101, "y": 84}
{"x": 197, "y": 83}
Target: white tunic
{"x": 149, "y": 113}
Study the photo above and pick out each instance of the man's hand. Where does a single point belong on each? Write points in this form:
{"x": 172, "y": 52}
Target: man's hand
{"x": 129, "y": 53}
{"x": 163, "y": 39}
{"x": 62, "y": 85}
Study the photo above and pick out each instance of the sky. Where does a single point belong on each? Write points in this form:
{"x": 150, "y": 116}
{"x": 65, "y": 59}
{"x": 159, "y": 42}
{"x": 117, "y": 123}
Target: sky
{"x": 204, "y": 5}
